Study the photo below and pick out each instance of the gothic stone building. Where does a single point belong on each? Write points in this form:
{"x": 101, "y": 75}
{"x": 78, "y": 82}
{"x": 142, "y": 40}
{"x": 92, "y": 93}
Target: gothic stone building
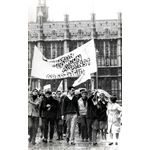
{"x": 54, "y": 38}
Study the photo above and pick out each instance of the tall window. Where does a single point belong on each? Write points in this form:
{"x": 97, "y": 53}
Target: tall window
{"x": 59, "y": 49}
{"x": 114, "y": 87}
{"x": 72, "y": 45}
{"x": 107, "y": 54}
{"x": 113, "y": 52}
{"x": 47, "y": 50}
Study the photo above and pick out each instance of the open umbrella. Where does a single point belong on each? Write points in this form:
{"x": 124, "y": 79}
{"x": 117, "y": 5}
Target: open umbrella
{"x": 100, "y": 91}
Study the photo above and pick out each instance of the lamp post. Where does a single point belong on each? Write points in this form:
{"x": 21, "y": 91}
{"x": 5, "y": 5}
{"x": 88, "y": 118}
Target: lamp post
{"x": 97, "y": 69}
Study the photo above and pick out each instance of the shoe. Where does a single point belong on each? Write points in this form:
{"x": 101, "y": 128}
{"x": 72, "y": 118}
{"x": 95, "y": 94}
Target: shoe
{"x": 72, "y": 143}
{"x": 116, "y": 143}
{"x": 111, "y": 143}
{"x": 94, "y": 144}
{"x": 82, "y": 140}
{"x": 50, "y": 141}
{"x": 44, "y": 140}
{"x": 58, "y": 139}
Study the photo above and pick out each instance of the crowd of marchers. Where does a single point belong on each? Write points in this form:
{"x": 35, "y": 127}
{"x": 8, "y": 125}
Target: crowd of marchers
{"x": 92, "y": 114}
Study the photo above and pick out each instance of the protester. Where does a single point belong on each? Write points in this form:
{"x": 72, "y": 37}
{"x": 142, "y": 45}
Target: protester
{"x": 103, "y": 116}
{"x": 54, "y": 95}
{"x": 33, "y": 115}
{"x": 82, "y": 103}
{"x": 71, "y": 110}
{"x": 94, "y": 115}
{"x": 64, "y": 126}
{"x": 59, "y": 121}
{"x": 114, "y": 119}
{"x": 41, "y": 113}
{"x": 89, "y": 117}
{"x": 50, "y": 108}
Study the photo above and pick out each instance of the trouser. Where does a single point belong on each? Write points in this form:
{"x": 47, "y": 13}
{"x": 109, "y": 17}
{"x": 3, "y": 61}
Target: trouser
{"x": 33, "y": 123}
{"x": 84, "y": 133}
{"x": 89, "y": 128}
{"x": 95, "y": 127}
{"x": 41, "y": 125}
{"x": 48, "y": 122}
{"x": 79, "y": 125}
{"x": 71, "y": 120}
{"x": 64, "y": 127}
{"x": 59, "y": 128}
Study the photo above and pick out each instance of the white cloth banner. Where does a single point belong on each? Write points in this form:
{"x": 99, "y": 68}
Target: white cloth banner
{"x": 84, "y": 77}
{"x": 60, "y": 87}
{"x": 71, "y": 64}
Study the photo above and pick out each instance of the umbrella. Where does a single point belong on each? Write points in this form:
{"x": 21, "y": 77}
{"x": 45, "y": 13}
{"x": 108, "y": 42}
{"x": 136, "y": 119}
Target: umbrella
{"x": 100, "y": 91}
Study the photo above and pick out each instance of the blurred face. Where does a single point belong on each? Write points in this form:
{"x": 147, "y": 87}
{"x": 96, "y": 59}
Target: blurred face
{"x": 72, "y": 91}
{"x": 34, "y": 92}
{"x": 102, "y": 96}
{"x": 54, "y": 95}
{"x": 41, "y": 97}
{"x": 84, "y": 95}
{"x": 58, "y": 94}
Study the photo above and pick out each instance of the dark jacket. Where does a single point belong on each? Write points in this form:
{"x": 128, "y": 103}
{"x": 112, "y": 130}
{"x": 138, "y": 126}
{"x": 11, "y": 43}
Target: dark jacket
{"x": 102, "y": 112}
{"x": 59, "y": 114}
{"x": 92, "y": 110}
{"x": 54, "y": 108}
{"x": 70, "y": 106}
{"x": 41, "y": 111}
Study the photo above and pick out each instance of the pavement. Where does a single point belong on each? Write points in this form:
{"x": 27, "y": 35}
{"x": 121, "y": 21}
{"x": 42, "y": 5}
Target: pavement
{"x": 62, "y": 145}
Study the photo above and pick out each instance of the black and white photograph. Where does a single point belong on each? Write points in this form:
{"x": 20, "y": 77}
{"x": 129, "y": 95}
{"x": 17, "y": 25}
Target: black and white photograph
{"x": 74, "y": 79}
{"x": 74, "y": 75}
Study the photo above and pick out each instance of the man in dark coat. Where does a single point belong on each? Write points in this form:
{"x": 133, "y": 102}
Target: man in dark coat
{"x": 50, "y": 109}
{"x": 93, "y": 112}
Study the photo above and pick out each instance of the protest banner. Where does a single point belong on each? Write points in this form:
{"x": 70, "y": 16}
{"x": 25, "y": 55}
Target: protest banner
{"x": 71, "y": 64}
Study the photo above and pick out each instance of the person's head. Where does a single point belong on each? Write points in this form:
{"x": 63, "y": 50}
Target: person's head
{"x": 84, "y": 94}
{"x": 41, "y": 96}
{"x": 54, "y": 94}
{"x": 35, "y": 92}
{"x": 113, "y": 99}
{"x": 48, "y": 94}
{"x": 41, "y": 91}
{"x": 71, "y": 90}
{"x": 102, "y": 96}
{"x": 58, "y": 94}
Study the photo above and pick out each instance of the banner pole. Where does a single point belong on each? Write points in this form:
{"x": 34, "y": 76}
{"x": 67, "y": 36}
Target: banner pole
{"x": 30, "y": 83}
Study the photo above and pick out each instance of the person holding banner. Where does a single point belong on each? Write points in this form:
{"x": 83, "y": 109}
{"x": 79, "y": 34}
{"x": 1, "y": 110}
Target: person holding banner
{"x": 71, "y": 111}
{"x": 93, "y": 116}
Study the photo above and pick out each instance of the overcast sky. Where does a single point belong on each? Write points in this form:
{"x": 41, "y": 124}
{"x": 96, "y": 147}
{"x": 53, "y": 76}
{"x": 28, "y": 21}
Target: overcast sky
{"x": 77, "y": 9}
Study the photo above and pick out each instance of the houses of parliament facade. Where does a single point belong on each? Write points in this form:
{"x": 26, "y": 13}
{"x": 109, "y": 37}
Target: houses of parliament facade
{"x": 54, "y": 38}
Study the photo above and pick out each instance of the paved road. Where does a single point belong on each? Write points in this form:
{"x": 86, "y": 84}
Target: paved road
{"x": 62, "y": 145}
